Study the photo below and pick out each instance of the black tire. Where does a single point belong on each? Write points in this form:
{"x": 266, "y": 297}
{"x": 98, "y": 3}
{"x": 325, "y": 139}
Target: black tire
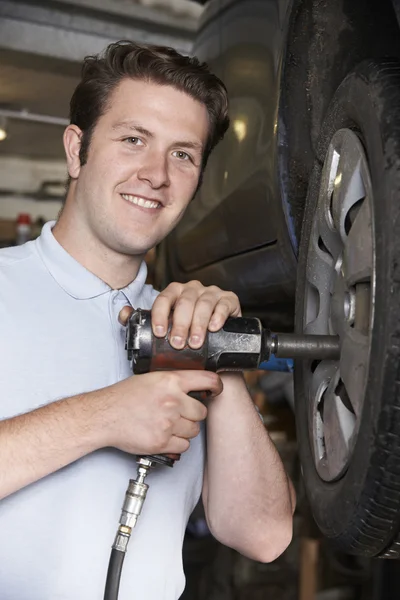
{"x": 359, "y": 511}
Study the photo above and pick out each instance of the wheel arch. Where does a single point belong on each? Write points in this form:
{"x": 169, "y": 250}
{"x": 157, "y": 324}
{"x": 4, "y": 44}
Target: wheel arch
{"x": 325, "y": 40}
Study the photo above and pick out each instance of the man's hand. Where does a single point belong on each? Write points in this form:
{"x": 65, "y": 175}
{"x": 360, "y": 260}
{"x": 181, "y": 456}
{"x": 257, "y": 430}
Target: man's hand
{"x": 153, "y": 414}
{"x": 196, "y": 308}
{"x": 144, "y": 414}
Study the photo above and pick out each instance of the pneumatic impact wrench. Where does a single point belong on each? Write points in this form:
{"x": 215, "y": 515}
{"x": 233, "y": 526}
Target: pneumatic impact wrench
{"x": 242, "y": 344}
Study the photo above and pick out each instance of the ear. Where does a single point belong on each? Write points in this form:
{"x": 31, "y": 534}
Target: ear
{"x": 72, "y": 145}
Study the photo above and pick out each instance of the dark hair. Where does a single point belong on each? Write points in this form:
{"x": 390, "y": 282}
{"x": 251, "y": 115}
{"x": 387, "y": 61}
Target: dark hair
{"x": 101, "y": 74}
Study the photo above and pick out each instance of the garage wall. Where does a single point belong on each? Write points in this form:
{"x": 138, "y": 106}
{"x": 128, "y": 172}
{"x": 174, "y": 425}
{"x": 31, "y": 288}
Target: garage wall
{"x": 11, "y": 207}
{"x": 25, "y": 186}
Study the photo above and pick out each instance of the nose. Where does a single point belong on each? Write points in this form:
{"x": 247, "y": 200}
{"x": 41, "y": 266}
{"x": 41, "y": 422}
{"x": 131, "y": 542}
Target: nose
{"x": 154, "y": 170}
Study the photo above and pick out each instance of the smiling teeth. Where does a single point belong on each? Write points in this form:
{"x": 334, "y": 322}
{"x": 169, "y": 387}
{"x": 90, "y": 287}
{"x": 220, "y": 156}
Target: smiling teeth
{"x": 140, "y": 201}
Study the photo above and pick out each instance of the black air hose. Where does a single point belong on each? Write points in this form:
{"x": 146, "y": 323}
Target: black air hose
{"x": 114, "y": 574}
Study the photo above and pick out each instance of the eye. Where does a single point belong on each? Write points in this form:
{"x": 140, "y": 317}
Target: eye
{"x": 134, "y": 141}
{"x": 181, "y": 155}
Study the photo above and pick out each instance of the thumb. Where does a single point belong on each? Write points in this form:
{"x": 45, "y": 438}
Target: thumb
{"x": 124, "y": 314}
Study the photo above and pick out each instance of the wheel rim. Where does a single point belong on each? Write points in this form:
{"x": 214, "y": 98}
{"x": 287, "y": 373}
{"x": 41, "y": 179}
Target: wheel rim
{"x": 339, "y": 300}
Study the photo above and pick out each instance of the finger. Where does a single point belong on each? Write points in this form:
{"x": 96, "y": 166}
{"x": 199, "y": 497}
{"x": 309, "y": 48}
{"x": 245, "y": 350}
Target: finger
{"x": 227, "y": 306}
{"x": 182, "y": 299}
{"x": 202, "y": 314}
{"x": 182, "y": 318}
{"x": 200, "y": 381}
{"x": 187, "y": 429}
{"x": 192, "y": 409}
{"x": 162, "y": 308}
{"x": 176, "y": 445}
{"x": 125, "y": 314}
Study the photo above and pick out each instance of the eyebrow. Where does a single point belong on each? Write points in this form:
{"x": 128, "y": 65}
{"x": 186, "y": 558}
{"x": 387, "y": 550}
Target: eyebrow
{"x": 187, "y": 144}
{"x": 142, "y": 130}
{"x": 133, "y": 127}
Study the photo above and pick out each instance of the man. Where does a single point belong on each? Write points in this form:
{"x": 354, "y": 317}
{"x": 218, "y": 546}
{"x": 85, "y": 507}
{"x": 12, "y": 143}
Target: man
{"x": 143, "y": 122}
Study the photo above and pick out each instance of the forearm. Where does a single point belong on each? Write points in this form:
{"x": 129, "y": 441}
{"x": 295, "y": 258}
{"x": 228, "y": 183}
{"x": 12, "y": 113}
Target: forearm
{"x": 247, "y": 492}
{"x": 37, "y": 443}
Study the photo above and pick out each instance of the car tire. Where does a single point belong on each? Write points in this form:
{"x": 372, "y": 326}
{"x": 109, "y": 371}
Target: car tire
{"x": 348, "y": 411}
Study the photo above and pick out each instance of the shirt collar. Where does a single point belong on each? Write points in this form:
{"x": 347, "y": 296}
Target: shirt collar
{"x": 73, "y": 277}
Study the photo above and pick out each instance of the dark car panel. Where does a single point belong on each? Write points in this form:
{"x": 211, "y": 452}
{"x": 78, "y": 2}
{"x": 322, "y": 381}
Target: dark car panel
{"x": 220, "y": 228}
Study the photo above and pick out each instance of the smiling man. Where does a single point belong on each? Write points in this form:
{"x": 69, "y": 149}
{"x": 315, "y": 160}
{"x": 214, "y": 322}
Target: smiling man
{"x": 143, "y": 164}
{"x": 143, "y": 123}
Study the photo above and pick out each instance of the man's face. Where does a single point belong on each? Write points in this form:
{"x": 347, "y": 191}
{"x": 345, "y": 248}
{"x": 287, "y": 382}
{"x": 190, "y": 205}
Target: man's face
{"x": 143, "y": 166}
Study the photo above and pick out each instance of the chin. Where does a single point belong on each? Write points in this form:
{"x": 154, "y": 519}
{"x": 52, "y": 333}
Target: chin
{"x": 124, "y": 247}
{"x": 128, "y": 243}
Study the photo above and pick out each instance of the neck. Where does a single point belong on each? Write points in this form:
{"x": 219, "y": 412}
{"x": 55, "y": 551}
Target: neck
{"x": 116, "y": 269}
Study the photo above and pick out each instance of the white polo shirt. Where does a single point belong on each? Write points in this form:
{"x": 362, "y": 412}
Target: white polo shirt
{"x": 60, "y": 336}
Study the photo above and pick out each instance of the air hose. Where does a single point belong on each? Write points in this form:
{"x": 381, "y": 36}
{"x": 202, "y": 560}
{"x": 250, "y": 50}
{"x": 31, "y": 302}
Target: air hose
{"x": 134, "y": 498}
{"x": 114, "y": 574}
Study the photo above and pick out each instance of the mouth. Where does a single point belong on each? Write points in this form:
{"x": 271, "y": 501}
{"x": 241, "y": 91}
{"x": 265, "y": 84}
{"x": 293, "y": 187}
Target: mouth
{"x": 142, "y": 202}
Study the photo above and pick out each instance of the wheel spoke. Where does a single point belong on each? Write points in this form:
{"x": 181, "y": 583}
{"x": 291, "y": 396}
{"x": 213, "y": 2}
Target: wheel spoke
{"x": 349, "y": 186}
{"x": 322, "y": 376}
{"x": 320, "y": 379}
{"x": 353, "y": 366}
{"x": 339, "y": 423}
{"x": 326, "y": 229}
{"x": 318, "y": 275}
{"x": 330, "y": 237}
{"x": 358, "y": 250}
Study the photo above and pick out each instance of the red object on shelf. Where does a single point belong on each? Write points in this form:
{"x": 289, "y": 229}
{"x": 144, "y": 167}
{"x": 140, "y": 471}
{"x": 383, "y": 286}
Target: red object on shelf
{"x": 24, "y": 229}
{"x": 24, "y": 219}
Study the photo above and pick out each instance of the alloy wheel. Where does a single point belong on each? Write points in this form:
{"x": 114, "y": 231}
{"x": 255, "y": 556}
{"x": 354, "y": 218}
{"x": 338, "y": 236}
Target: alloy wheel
{"x": 340, "y": 289}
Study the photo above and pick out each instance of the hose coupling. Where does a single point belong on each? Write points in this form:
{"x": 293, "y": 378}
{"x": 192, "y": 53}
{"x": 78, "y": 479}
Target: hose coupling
{"x": 122, "y": 538}
{"x": 134, "y": 498}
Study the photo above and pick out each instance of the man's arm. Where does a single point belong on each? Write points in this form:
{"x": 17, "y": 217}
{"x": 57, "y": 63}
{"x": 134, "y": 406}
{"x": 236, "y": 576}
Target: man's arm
{"x": 40, "y": 442}
{"x": 248, "y": 498}
{"x": 144, "y": 414}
